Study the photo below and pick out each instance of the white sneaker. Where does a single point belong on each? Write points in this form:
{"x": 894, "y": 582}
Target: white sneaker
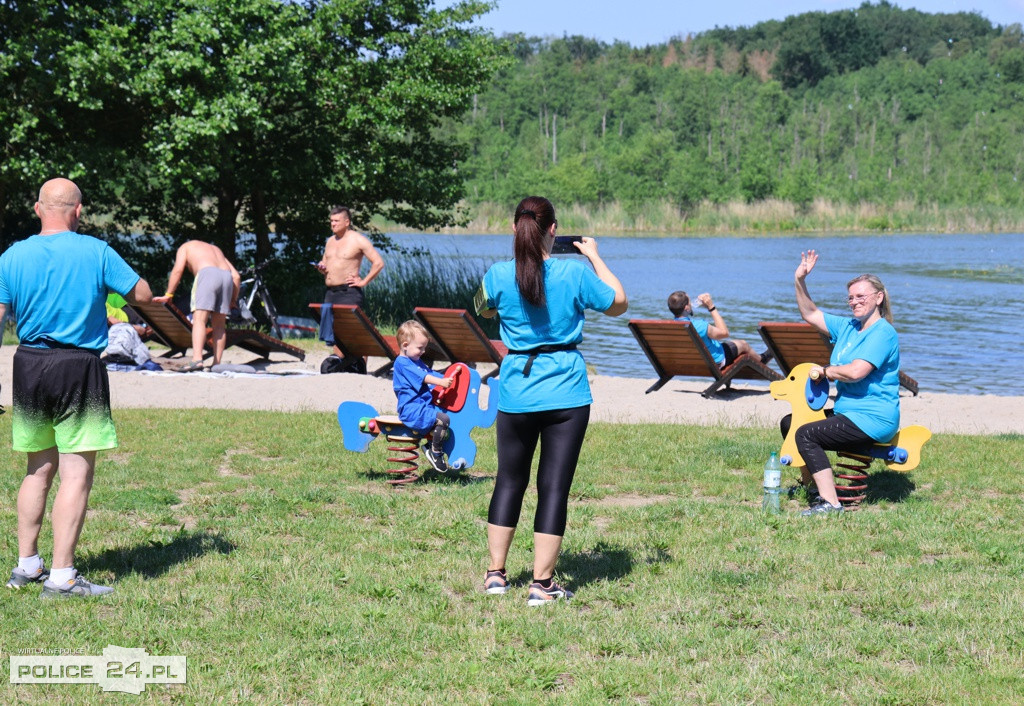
{"x": 20, "y": 578}
{"x": 538, "y": 595}
{"x": 78, "y": 586}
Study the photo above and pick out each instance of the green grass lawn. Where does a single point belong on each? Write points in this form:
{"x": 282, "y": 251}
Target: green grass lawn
{"x": 286, "y": 571}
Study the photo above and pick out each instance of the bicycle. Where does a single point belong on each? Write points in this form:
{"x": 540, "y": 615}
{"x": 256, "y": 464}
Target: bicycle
{"x": 246, "y": 299}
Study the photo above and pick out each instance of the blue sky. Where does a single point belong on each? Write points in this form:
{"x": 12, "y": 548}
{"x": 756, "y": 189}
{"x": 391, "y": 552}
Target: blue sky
{"x": 644, "y": 22}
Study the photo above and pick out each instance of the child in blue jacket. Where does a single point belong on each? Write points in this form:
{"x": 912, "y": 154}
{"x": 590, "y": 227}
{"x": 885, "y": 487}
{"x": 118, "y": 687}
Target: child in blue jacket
{"x": 412, "y": 379}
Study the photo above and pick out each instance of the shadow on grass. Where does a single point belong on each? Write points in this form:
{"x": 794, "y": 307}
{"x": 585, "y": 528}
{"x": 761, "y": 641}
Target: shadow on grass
{"x": 153, "y": 558}
{"x": 429, "y": 475}
{"x": 892, "y": 486}
{"x": 460, "y": 477}
{"x": 602, "y": 563}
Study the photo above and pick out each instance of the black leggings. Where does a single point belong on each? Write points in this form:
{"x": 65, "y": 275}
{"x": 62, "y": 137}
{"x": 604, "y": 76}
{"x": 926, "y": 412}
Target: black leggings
{"x": 833, "y": 433}
{"x": 561, "y": 433}
{"x": 440, "y": 428}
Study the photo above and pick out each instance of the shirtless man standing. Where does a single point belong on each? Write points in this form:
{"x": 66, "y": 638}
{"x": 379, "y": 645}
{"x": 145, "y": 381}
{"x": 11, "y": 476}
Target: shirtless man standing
{"x": 343, "y": 255}
{"x": 214, "y": 292}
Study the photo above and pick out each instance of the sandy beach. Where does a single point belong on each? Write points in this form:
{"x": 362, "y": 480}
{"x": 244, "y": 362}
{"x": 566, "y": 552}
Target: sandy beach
{"x": 615, "y": 399}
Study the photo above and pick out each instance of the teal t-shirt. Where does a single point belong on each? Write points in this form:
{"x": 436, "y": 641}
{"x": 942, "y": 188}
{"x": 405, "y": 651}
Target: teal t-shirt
{"x": 57, "y": 285}
{"x": 714, "y": 347}
{"x": 872, "y": 403}
{"x": 557, "y": 380}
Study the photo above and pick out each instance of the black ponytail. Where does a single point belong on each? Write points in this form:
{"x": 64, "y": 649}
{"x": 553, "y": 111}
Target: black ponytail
{"x": 533, "y": 219}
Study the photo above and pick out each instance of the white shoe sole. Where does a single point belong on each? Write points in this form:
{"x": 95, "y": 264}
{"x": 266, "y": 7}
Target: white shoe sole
{"x": 534, "y": 602}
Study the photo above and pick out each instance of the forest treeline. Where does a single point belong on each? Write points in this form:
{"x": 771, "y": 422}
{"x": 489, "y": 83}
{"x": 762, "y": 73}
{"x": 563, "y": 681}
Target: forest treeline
{"x": 877, "y": 104}
{"x": 242, "y": 121}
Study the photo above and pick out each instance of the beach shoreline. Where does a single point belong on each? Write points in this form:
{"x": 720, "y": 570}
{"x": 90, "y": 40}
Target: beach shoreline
{"x": 616, "y": 399}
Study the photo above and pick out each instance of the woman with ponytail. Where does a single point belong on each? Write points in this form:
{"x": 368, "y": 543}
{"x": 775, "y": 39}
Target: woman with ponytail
{"x": 544, "y": 393}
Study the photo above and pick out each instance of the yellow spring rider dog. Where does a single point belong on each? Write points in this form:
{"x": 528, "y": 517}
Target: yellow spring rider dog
{"x": 807, "y": 399}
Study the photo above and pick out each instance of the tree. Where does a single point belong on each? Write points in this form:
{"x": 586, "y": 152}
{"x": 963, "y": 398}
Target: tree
{"x": 798, "y": 185}
{"x": 757, "y": 175}
{"x": 803, "y": 57}
{"x": 225, "y": 117}
{"x": 48, "y": 125}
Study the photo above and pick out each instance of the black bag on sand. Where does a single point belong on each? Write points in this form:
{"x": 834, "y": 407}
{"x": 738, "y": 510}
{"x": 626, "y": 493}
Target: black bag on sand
{"x": 334, "y": 364}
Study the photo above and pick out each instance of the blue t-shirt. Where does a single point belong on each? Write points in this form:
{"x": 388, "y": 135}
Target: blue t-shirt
{"x": 557, "y": 380}
{"x": 714, "y": 347}
{"x": 57, "y": 285}
{"x": 415, "y": 405}
{"x": 872, "y": 403}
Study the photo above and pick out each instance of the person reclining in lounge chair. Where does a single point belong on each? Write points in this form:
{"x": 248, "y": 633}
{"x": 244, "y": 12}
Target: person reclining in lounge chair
{"x": 124, "y": 339}
{"x": 716, "y": 334}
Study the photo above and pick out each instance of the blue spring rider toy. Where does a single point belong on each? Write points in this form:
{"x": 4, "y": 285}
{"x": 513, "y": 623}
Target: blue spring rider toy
{"x": 360, "y": 424}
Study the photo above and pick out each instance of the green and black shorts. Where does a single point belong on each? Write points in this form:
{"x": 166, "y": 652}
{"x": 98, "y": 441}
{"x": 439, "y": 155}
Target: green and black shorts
{"x": 61, "y": 398}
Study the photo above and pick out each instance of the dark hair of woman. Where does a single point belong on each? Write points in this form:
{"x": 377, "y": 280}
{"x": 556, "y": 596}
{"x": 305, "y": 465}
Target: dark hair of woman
{"x": 532, "y": 221}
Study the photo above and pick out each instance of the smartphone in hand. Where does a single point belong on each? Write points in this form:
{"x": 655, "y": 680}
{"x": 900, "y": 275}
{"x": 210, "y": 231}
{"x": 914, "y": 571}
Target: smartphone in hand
{"x": 564, "y": 245}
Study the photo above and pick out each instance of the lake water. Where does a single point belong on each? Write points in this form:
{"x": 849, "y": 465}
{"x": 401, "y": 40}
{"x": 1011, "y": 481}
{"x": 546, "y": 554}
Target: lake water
{"x": 957, "y": 299}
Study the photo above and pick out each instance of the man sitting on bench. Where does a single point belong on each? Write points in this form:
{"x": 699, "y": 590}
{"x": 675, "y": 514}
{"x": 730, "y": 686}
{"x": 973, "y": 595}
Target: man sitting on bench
{"x": 716, "y": 334}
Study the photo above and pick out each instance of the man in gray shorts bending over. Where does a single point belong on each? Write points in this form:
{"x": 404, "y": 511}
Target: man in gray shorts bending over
{"x": 214, "y": 292}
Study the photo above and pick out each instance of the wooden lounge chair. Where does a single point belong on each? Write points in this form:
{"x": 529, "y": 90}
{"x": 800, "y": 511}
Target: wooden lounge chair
{"x": 460, "y": 337}
{"x": 356, "y": 336}
{"x": 173, "y": 329}
{"x": 795, "y": 343}
{"x": 675, "y": 348}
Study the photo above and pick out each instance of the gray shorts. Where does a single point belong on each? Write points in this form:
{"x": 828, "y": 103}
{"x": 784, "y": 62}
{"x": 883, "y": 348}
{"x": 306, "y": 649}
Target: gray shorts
{"x": 212, "y": 290}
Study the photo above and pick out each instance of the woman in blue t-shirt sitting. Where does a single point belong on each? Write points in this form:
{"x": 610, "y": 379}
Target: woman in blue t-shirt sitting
{"x": 544, "y": 393}
{"x": 865, "y": 366}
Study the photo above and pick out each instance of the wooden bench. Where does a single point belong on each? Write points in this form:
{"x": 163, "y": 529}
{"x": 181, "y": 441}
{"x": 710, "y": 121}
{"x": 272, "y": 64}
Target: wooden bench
{"x": 675, "y": 348}
{"x": 356, "y": 336}
{"x": 173, "y": 329}
{"x": 460, "y": 338}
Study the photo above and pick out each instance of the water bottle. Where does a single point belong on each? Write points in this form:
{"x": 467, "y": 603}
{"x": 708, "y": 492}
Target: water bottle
{"x": 772, "y": 484}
